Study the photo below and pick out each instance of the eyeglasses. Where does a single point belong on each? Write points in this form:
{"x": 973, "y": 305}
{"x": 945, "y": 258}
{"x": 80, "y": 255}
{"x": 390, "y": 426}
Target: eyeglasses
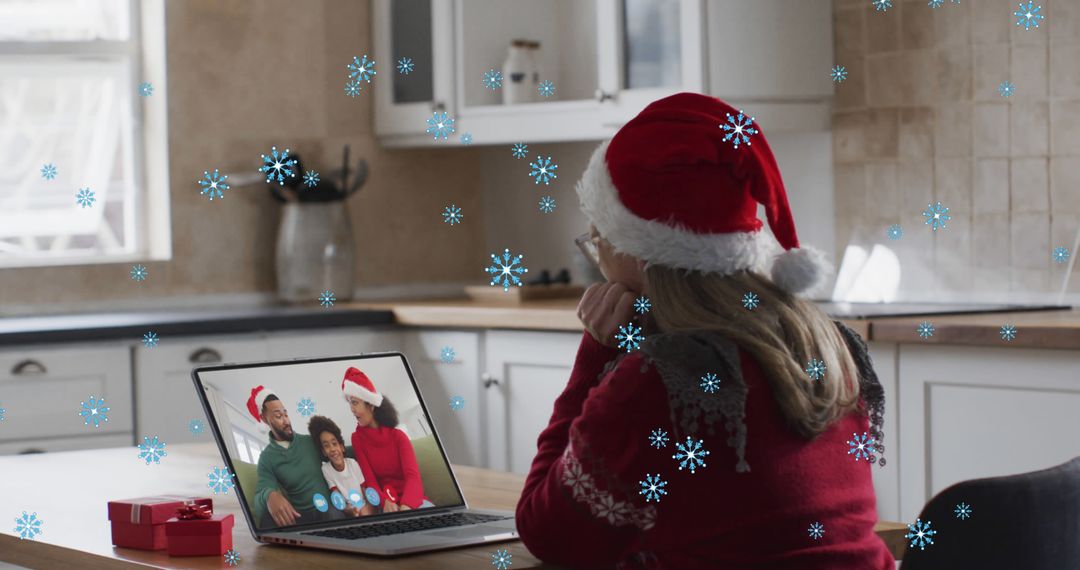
{"x": 587, "y": 244}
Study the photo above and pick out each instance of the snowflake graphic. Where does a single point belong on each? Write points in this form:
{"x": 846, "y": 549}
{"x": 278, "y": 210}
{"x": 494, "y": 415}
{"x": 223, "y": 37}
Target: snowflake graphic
{"x": 658, "y": 438}
{"x": 936, "y": 216}
{"x": 519, "y": 150}
{"x": 2, "y": 412}
{"x": 1060, "y": 254}
{"x": 1028, "y": 15}
{"x": 543, "y": 170}
{"x": 48, "y": 172}
{"x": 196, "y": 427}
{"x": 213, "y": 185}
{"x": 1006, "y": 88}
{"x": 642, "y": 305}
{"x": 152, "y": 449}
{"x": 94, "y": 410}
{"x": 629, "y": 337}
{"x": 1007, "y": 332}
{"x": 895, "y": 232}
{"x": 547, "y": 204}
{"x": 925, "y": 329}
{"x": 232, "y": 557}
{"x": 816, "y": 530}
{"x": 750, "y": 301}
{"x": 305, "y": 407}
{"x": 150, "y": 339}
{"x": 935, "y": 3}
{"x": 815, "y": 369}
{"x": 710, "y": 383}
{"x": 501, "y": 559}
{"x": 507, "y": 270}
{"x": 652, "y": 487}
{"x": 28, "y": 526}
{"x": 838, "y": 73}
{"x": 862, "y": 446}
{"x": 452, "y": 214}
{"x": 405, "y": 65}
{"x": 361, "y": 69}
{"x": 311, "y": 179}
{"x": 278, "y": 166}
{"x": 440, "y": 125}
{"x": 352, "y": 88}
{"x": 327, "y": 298}
{"x": 220, "y": 480}
{"x": 85, "y": 197}
{"x": 146, "y": 89}
{"x": 447, "y": 354}
{"x": 920, "y": 534}
{"x": 139, "y": 272}
{"x": 456, "y": 403}
{"x": 466, "y": 139}
{"x": 492, "y": 79}
{"x": 963, "y": 511}
{"x": 546, "y": 88}
{"x": 739, "y": 129}
{"x": 690, "y": 454}
{"x": 882, "y": 5}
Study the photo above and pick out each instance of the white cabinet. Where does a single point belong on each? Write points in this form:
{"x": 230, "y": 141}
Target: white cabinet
{"x": 335, "y": 342}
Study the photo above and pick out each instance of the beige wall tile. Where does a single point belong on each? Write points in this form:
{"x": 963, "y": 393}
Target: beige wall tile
{"x": 1030, "y": 240}
{"x": 882, "y": 29}
{"x": 849, "y": 136}
{"x": 991, "y": 67}
{"x": 1030, "y": 281}
{"x": 1065, "y": 127}
{"x": 1028, "y": 185}
{"x": 990, "y": 233}
{"x": 1063, "y": 228}
{"x": 916, "y": 25}
{"x": 915, "y": 184}
{"x": 952, "y": 130}
{"x": 991, "y": 192}
{"x": 887, "y": 79}
{"x": 952, "y": 185}
{"x": 952, "y": 24}
{"x": 952, "y": 253}
{"x": 1065, "y": 184}
{"x": 916, "y": 133}
{"x": 991, "y": 130}
{"x": 990, "y": 24}
{"x": 851, "y": 94}
{"x": 849, "y": 30}
{"x": 1065, "y": 69}
{"x": 1029, "y": 72}
{"x": 881, "y": 191}
{"x": 850, "y": 197}
{"x": 1029, "y": 132}
{"x": 1065, "y": 27}
{"x": 992, "y": 280}
{"x": 950, "y": 73}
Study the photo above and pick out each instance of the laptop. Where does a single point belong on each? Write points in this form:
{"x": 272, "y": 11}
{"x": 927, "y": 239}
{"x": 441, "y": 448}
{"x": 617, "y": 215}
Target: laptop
{"x": 346, "y": 498}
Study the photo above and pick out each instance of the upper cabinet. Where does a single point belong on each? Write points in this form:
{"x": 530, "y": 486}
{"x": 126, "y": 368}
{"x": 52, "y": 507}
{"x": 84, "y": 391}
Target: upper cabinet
{"x": 518, "y": 70}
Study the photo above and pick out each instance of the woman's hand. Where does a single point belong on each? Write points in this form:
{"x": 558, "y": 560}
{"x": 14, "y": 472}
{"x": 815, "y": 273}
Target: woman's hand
{"x": 281, "y": 510}
{"x": 603, "y": 308}
{"x": 367, "y": 511}
{"x": 390, "y": 507}
{"x": 405, "y": 508}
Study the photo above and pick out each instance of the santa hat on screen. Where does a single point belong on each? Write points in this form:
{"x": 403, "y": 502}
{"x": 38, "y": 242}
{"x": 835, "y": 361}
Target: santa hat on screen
{"x": 679, "y": 186}
{"x": 357, "y": 384}
{"x": 255, "y": 401}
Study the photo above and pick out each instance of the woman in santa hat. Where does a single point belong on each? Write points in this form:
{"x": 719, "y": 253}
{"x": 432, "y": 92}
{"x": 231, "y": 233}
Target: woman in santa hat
{"x": 741, "y": 431}
{"x": 384, "y": 452}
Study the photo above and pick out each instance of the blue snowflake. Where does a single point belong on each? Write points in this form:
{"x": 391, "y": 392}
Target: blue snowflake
{"x": 816, "y": 530}
{"x": 642, "y": 305}
{"x": 815, "y": 369}
{"x": 543, "y": 170}
{"x": 150, "y": 339}
{"x": 196, "y": 427}
{"x": 882, "y": 5}
{"x": 85, "y": 197}
{"x": 710, "y": 383}
{"x": 94, "y": 410}
{"x": 546, "y": 88}
{"x": 405, "y": 65}
{"x": 305, "y": 407}
{"x": 456, "y": 403}
{"x": 547, "y": 204}
{"x": 232, "y": 557}
{"x": 48, "y": 172}
{"x": 327, "y": 298}
{"x": 452, "y": 214}
{"x": 311, "y": 179}
{"x": 352, "y": 88}
{"x": 28, "y": 526}
{"x": 1060, "y": 254}
{"x": 500, "y": 559}
{"x": 920, "y": 534}
{"x": 440, "y": 125}
{"x": 750, "y": 300}
{"x": 139, "y": 272}
{"x": 691, "y": 454}
{"x": 895, "y": 232}
{"x": 278, "y": 166}
{"x": 220, "y": 480}
{"x": 658, "y": 438}
{"x": 862, "y": 446}
{"x": 146, "y": 89}
{"x": 1006, "y": 88}
{"x": 652, "y": 487}
{"x": 2, "y": 412}
{"x": 935, "y": 3}
{"x": 629, "y": 337}
{"x": 361, "y": 69}
{"x": 963, "y": 511}
{"x": 838, "y": 73}
{"x": 936, "y": 216}
{"x": 492, "y": 79}
{"x": 1007, "y": 332}
{"x": 507, "y": 270}
{"x": 466, "y": 138}
{"x": 925, "y": 329}
{"x": 447, "y": 354}
{"x": 739, "y": 129}
{"x": 213, "y": 185}
{"x": 519, "y": 150}
{"x": 152, "y": 449}
{"x": 1028, "y": 15}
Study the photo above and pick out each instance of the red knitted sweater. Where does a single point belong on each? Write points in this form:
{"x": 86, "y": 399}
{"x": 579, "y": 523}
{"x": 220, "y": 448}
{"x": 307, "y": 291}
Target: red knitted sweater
{"x": 582, "y": 507}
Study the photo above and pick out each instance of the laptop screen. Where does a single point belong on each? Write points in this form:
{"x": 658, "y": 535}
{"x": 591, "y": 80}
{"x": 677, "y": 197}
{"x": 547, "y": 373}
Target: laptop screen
{"x": 327, "y": 439}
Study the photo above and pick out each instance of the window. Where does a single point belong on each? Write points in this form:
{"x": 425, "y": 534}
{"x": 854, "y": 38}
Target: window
{"x": 70, "y": 72}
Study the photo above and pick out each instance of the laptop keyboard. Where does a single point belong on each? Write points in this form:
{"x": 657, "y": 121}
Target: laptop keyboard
{"x": 406, "y": 525}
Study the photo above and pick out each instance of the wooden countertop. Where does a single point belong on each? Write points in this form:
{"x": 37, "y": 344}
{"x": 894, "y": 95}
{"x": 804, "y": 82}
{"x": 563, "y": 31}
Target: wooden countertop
{"x": 75, "y": 532}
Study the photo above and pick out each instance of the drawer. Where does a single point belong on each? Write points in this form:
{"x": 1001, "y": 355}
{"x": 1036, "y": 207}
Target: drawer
{"x": 70, "y": 444}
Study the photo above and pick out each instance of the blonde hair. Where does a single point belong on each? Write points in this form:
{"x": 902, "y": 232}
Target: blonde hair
{"x": 782, "y": 334}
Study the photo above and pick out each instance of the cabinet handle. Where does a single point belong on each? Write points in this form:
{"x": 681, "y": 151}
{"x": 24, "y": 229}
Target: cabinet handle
{"x": 489, "y": 380}
{"x": 602, "y": 96}
{"x": 438, "y": 106}
{"x": 28, "y": 366}
{"x": 204, "y": 355}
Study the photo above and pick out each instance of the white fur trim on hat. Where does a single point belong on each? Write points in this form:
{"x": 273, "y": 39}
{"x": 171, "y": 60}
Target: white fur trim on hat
{"x": 355, "y": 390}
{"x": 800, "y": 269}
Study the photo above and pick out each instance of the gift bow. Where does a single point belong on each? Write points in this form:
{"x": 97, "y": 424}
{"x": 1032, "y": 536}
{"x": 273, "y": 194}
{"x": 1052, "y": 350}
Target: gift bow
{"x": 191, "y": 511}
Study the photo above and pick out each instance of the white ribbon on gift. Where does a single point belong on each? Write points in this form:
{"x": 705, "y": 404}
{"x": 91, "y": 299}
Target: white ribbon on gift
{"x": 137, "y": 504}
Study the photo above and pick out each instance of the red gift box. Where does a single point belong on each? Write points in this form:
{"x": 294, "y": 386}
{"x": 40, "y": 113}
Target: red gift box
{"x": 199, "y": 536}
{"x": 140, "y": 523}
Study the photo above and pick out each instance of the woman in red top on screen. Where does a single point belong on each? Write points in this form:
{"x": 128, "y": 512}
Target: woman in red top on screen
{"x": 384, "y": 452}
{"x": 720, "y": 441}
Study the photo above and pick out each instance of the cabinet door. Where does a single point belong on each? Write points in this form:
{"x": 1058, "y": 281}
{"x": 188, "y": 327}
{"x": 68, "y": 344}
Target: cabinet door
{"x": 525, "y": 372}
{"x": 165, "y": 395}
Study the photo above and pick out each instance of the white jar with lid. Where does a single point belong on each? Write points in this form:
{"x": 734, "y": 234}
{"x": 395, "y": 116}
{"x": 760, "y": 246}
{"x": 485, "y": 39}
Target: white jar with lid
{"x": 518, "y": 71}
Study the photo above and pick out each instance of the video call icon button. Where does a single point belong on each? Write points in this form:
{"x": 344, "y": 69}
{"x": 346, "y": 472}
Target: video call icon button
{"x": 338, "y": 500}
{"x": 320, "y": 503}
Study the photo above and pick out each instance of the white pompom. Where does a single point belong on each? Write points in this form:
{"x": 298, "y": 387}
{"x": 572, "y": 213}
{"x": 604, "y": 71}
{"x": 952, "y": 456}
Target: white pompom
{"x": 800, "y": 269}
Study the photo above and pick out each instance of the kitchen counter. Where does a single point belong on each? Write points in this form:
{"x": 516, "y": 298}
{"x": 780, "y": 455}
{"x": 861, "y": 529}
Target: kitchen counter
{"x": 1040, "y": 329}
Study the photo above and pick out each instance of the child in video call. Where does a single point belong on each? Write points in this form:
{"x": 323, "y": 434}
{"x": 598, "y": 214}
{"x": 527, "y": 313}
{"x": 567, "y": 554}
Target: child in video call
{"x": 341, "y": 473}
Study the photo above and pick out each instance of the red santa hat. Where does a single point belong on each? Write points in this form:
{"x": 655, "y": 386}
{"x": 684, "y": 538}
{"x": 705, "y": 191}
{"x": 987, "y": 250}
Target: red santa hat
{"x": 679, "y": 186}
{"x": 357, "y": 384}
{"x": 255, "y": 401}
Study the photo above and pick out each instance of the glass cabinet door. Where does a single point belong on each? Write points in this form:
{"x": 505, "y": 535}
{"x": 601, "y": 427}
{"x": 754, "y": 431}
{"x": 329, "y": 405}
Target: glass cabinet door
{"x": 410, "y": 44}
{"x": 651, "y": 44}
